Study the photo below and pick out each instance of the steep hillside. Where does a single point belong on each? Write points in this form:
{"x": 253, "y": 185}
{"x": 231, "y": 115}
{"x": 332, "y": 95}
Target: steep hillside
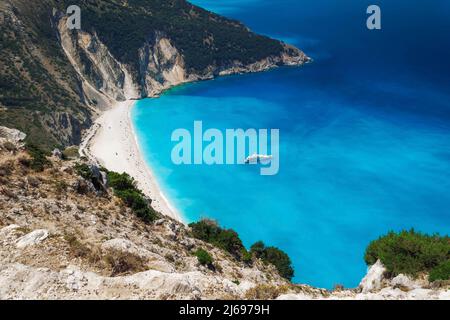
{"x": 54, "y": 80}
{"x": 66, "y": 234}
{"x": 39, "y": 91}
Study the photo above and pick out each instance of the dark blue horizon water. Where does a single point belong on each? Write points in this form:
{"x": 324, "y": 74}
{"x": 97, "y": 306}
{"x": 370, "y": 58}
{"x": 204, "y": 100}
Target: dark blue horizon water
{"x": 364, "y": 133}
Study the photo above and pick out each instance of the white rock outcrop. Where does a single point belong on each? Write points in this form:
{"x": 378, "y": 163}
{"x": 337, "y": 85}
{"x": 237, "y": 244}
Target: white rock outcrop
{"x": 404, "y": 282}
{"x": 14, "y": 136}
{"x": 24, "y": 282}
{"x": 8, "y": 234}
{"x": 154, "y": 261}
{"x": 373, "y": 279}
{"x": 32, "y": 238}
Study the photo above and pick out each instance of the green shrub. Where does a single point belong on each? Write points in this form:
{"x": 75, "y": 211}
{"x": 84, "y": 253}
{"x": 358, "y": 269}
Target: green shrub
{"x": 84, "y": 171}
{"x": 125, "y": 189}
{"x": 204, "y": 258}
{"x": 257, "y": 249}
{"x": 226, "y": 239}
{"x": 39, "y": 159}
{"x": 70, "y": 153}
{"x": 440, "y": 272}
{"x": 274, "y": 256}
{"x": 246, "y": 256}
{"x": 409, "y": 252}
{"x": 121, "y": 182}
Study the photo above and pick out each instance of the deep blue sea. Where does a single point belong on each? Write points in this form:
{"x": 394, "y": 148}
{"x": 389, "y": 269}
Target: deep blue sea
{"x": 364, "y": 133}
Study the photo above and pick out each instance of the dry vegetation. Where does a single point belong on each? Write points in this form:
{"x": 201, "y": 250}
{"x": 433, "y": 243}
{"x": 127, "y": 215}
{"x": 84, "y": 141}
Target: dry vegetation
{"x": 97, "y": 232}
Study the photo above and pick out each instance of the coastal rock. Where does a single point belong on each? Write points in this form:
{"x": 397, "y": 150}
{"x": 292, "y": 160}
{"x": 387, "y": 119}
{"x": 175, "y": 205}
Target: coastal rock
{"x": 403, "y": 282}
{"x": 104, "y": 79}
{"x": 7, "y": 234}
{"x": 153, "y": 260}
{"x": 73, "y": 278}
{"x": 125, "y": 245}
{"x": 32, "y": 238}
{"x": 13, "y": 136}
{"x": 159, "y": 56}
{"x": 373, "y": 279}
{"x": 20, "y": 281}
{"x": 189, "y": 244}
{"x": 98, "y": 178}
{"x": 83, "y": 186}
{"x": 57, "y": 154}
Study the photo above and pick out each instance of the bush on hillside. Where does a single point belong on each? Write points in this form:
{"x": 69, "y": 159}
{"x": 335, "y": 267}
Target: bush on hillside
{"x": 226, "y": 239}
{"x": 84, "y": 171}
{"x": 125, "y": 189}
{"x": 204, "y": 258}
{"x": 39, "y": 159}
{"x": 274, "y": 256}
{"x": 70, "y": 152}
{"x": 246, "y": 256}
{"x": 121, "y": 182}
{"x": 411, "y": 253}
{"x": 440, "y": 272}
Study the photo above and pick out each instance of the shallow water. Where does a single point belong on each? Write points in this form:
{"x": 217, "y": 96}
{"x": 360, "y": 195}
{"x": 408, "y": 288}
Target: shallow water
{"x": 364, "y": 133}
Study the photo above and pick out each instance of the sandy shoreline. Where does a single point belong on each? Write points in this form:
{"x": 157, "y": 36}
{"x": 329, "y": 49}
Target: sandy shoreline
{"x": 113, "y": 144}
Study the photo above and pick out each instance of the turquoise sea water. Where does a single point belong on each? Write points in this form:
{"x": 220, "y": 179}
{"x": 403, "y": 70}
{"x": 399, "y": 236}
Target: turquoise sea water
{"x": 364, "y": 133}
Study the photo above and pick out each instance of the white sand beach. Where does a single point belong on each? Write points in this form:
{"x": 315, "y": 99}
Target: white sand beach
{"x": 113, "y": 144}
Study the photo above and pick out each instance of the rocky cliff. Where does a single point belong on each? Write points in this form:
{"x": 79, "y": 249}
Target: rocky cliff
{"x": 160, "y": 65}
{"x": 63, "y": 237}
{"x": 54, "y": 81}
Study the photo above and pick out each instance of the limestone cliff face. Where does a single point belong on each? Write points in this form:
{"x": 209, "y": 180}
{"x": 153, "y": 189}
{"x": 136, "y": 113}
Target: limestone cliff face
{"x": 161, "y": 66}
{"x": 104, "y": 79}
{"x": 291, "y": 56}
